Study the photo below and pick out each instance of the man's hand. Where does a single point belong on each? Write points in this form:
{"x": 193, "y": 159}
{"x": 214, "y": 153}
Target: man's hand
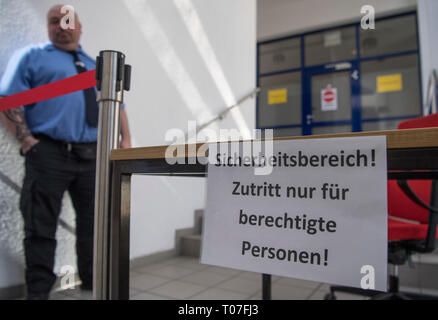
{"x": 16, "y": 123}
{"x": 27, "y": 143}
{"x": 125, "y": 143}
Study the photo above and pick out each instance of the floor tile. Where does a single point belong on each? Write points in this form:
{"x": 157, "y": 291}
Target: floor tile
{"x": 178, "y": 290}
{"x": 133, "y": 292}
{"x": 78, "y": 294}
{"x": 410, "y": 289}
{"x": 320, "y": 295}
{"x": 186, "y": 278}
{"x": 134, "y": 273}
{"x": 432, "y": 292}
{"x": 149, "y": 267}
{"x": 257, "y": 296}
{"x": 324, "y": 290}
{"x": 60, "y": 296}
{"x": 188, "y": 262}
{"x": 219, "y": 294}
{"x": 171, "y": 271}
{"x": 297, "y": 282}
{"x": 147, "y": 296}
{"x": 222, "y": 270}
{"x": 206, "y": 278}
{"x": 145, "y": 282}
{"x": 324, "y": 287}
{"x": 285, "y": 292}
{"x": 72, "y": 294}
{"x": 241, "y": 285}
{"x": 251, "y": 275}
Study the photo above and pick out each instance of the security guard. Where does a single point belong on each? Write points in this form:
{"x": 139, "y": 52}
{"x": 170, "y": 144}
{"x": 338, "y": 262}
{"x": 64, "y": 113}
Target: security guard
{"x": 58, "y": 140}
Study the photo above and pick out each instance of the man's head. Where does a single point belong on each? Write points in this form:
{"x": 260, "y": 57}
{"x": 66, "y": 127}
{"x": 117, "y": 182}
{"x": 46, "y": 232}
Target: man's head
{"x": 63, "y": 38}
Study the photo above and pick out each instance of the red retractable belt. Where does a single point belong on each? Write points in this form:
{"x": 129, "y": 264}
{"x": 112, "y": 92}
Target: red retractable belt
{"x": 58, "y": 88}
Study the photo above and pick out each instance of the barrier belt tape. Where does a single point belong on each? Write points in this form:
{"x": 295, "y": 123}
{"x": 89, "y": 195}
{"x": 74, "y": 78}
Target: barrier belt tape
{"x": 58, "y": 88}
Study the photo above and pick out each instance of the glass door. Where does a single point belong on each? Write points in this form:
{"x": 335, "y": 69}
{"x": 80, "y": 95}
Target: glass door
{"x": 331, "y": 99}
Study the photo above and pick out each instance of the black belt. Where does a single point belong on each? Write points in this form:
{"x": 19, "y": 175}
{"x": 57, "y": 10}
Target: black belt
{"x": 41, "y": 136}
{"x": 85, "y": 150}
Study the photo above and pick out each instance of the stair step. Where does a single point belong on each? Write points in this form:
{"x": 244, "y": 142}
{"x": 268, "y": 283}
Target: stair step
{"x": 191, "y": 245}
{"x": 431, "y": 259}
{"x": 419, "y": 275}
{"x": 199, "y": 215}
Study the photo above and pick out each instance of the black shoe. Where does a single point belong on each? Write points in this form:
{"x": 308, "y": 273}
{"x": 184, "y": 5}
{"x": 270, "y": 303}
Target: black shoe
{"x": 37, "y": 296}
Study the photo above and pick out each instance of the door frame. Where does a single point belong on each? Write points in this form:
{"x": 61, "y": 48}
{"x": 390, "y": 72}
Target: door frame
{"x": 353, "y": 68}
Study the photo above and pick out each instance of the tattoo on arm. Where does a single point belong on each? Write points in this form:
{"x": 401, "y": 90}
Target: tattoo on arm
{"x": 17, "y": 120}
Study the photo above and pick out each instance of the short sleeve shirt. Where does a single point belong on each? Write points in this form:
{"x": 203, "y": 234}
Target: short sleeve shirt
{"x": 61, "y": 118}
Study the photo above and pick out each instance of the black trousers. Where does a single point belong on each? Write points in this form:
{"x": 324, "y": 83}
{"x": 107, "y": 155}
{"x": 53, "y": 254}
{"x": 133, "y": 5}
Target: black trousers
{"x": 52, "y": 167}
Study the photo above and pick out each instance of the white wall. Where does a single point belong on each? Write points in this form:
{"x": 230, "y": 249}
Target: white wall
{"x": 428, "y": 29}
{"x": 285, "y": 17}
{"x": 176, "y": 77}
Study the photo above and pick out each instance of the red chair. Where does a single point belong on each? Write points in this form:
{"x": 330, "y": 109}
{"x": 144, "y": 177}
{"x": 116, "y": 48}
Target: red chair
{"x": 412, "y": 224}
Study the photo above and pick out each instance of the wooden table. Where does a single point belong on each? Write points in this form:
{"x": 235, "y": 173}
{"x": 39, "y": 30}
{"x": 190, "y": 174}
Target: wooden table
{"x": 411, "y": 154}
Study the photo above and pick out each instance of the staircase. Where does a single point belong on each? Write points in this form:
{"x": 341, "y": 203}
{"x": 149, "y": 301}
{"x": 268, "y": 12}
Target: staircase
{"x": 422, "y": 272}
{"x": 190, "y": 239}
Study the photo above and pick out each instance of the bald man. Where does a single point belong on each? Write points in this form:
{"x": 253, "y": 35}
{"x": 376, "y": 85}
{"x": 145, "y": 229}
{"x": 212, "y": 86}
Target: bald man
{"x": 58, "y": 141}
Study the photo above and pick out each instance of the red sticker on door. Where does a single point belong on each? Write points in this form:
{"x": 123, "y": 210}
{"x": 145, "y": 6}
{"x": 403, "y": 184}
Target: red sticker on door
{"x": 329, "y": 99}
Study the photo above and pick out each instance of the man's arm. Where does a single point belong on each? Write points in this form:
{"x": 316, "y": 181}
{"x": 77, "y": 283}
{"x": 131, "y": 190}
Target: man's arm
{"x": 16, "y": 123}
{"x": 125, "y": 142}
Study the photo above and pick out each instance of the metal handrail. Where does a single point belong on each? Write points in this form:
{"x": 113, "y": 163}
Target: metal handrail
{"x": 222, "y": 114}
{"x": 430, "y": 105}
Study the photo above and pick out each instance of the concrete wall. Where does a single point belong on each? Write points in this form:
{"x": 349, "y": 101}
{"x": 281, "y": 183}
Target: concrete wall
{"x": 284, "y": 17}
{"x": 190, "y": 60}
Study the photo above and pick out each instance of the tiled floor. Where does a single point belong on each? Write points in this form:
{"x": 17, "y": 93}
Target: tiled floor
{"x": 185, "y": 278}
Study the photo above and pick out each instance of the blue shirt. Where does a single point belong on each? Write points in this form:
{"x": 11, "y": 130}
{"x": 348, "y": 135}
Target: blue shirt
{"x": 61, "y": 118}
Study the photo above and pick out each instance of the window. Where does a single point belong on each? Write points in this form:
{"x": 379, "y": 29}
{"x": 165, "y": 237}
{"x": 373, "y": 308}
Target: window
{"x": 280, "y": 100}
{"x": 390, "y": 36}
{"x": 330, "y": 46}
{"x": 376, "y": 74}
{"x": 390, "y": 87}
{"x": 280, "y": 55}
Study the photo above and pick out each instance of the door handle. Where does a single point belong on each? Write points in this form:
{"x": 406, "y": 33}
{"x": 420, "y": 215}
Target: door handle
{"x": 309, "y": 119}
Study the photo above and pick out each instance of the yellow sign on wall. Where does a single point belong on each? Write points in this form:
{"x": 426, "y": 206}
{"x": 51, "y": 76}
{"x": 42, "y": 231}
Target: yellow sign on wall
{"x": 390, "y": 82}
{"x": 277, "y": 96}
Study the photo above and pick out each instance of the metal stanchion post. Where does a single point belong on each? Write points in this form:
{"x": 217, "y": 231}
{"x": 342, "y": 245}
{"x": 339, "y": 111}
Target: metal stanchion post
{"x": 266, "y": 286}
{"x": 113, "y": 77}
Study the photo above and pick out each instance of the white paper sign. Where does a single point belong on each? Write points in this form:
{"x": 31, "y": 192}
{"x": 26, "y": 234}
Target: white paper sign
{"x": 329, "y": 99}
{"x": 320, "y": 215}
